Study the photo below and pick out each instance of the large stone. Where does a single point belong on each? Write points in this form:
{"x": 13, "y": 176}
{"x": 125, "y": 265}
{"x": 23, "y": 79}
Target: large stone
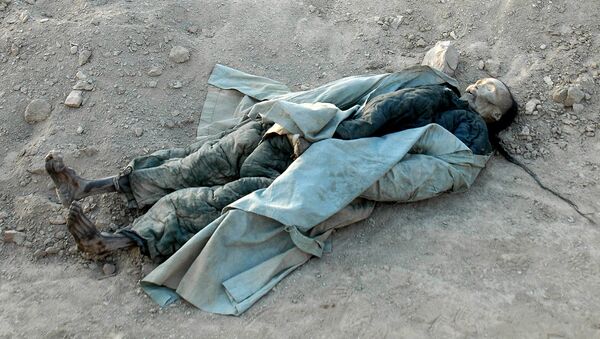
{"x": 179, "y": 54}
{"x": 443, "y": 56}
{"x": 37, "y": 110}
{"x": 574, "y": 96}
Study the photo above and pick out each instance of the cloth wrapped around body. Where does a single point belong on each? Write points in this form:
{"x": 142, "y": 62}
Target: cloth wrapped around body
{"x": 270, "y": 220}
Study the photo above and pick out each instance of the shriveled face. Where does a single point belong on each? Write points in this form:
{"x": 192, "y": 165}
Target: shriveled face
{"x": 489, "y": 97}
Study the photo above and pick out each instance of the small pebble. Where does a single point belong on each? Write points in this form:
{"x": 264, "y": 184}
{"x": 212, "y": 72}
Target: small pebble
{"x": 80, "y": 75}
{"x": 73, "y": 50}
{"x": 57, "y": 220}
{"x": 74, "y": 99}
{"x": 155, "y": 71}
{"x": 84, "y": 56}
{"x": 109, "y": 269}
{"x": 14, "y": 236}
{"x": 138, "y": 131}
{"x": 24, "y": 17}
{"x": 193, "y": 29}
{"x": 559, "y": 94}
{"x": 421, "y": 43}
{"x": 52, "y": 250}
{"x": 80, "y": 130}
{"x": 531, "y": 106}
{"x": 179, "y": 54}
{"x": 83, "y": 85}
{"x": 176, "y": 84}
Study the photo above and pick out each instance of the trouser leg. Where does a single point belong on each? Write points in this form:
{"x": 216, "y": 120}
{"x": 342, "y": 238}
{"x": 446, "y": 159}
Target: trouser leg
{"x": 215, "y": 163}
{"x": 177, "y": 217}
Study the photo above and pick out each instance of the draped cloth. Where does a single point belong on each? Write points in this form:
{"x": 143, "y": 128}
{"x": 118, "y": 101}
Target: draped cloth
{"x": 262, "y": 237}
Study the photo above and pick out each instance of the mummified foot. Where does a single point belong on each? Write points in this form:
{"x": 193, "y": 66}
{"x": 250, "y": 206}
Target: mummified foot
{"x": 87, "y": 236}
{"x": 69, "y": 185}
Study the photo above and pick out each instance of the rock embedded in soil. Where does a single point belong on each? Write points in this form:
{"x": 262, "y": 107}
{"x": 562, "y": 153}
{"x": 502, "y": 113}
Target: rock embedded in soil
{"x": 14, "y": 49}
{"x": 80, "y": 75}
{"x": 176, "y": 84}
{"x": 84, "y": 56}
{"x": 14, "y": 236}
{"x": 39, "y": 253}
{"x": 179, "y": 54}
{"x": 37, "y": 110}
{"x": 24, "y": 16}
{"x": 83, "y": 85}
{"x": 531, "y": 106}
{"x": 109, "y": 269}
{"x": 421, "y": 43}
{"x": 578, "y": 108}
{"x": 52, "y": 250}
{"x": 138, "y": 131}
{"x": 590, "y": 131}
{"x": 74, "y": 99}
{"x": 57, "y": 220}
{"x": 559, "y": 94}
{"x": 155, "y": 71}
{"x": 574, "y": 96}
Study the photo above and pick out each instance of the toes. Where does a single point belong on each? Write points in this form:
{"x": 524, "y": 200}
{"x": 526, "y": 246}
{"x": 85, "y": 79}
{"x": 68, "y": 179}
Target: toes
{"x": 75, "y": 208}
{"x": 79, "y": 225}
{"x": 75, "y": 230}
{"x": 54, "y": 162}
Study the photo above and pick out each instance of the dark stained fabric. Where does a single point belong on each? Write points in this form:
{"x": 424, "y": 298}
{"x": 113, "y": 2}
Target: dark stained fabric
{"x": 417, "y": 107}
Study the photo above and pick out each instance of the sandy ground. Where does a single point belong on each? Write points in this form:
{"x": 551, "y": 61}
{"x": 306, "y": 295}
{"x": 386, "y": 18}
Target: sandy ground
{"x": 505, "y": 259}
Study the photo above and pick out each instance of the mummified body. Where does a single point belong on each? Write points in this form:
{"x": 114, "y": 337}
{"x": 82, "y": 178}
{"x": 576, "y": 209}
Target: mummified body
{"x": 188, "y": 187}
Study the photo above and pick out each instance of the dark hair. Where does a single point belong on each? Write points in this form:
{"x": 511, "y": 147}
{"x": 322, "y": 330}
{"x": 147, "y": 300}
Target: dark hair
{"x": 494, "y": 128}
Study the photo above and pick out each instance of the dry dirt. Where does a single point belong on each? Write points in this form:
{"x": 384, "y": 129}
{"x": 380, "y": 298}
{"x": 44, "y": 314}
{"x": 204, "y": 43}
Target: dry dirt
{"x": 505, "y": 259}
